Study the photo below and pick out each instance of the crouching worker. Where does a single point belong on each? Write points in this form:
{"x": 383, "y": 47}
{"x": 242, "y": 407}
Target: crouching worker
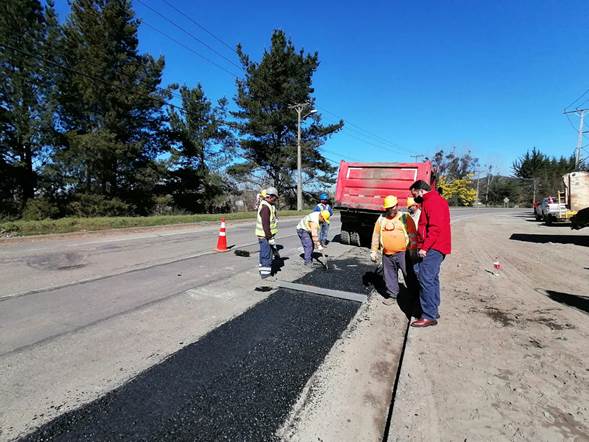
{"x": 308, "y": 230}
{"x": 324, "y": 205}
{"x": 266, "y": 230}
{"x": 390, "y": 234}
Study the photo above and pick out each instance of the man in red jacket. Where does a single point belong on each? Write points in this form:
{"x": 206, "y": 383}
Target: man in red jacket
{"x": 433, "y": 243}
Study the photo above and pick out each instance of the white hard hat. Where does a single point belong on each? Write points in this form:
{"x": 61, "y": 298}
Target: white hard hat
{"x": 271, "y": 191}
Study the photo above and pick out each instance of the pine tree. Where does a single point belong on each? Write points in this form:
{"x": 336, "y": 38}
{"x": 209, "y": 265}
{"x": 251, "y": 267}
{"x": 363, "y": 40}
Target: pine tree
{"x": 110, "y": 105}
{"x": 268, "y": 125}
{"x": 23, "y": 92}
{"x": 203, "y": 146}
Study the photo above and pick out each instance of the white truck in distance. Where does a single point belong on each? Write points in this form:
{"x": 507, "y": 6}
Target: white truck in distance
{"x": 574, "y": 199}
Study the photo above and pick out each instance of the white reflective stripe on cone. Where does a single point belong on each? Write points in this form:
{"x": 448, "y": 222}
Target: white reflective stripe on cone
{"x": 222, "y": 234}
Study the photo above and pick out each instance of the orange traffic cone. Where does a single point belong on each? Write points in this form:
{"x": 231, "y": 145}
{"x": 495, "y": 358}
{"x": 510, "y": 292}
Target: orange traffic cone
{"x": 222, "y": 240}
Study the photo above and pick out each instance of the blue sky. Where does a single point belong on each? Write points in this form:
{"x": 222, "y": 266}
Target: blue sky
{"x": 408, "y": 77}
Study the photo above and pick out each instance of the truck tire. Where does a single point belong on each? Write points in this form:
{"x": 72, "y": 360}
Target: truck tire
{"x": 344, "y": 237}
{"x": 355, "y": 239}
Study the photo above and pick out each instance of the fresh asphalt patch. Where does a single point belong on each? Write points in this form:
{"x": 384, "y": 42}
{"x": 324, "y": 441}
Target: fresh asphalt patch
{"x": 238, "y": 382}
{"x": 347, "y": 273}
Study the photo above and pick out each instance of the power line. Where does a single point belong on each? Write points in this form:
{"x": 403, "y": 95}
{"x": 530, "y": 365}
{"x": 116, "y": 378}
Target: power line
{"x": 577, "y": 99}
{"x": 199, "y": 25}
{"x": 173, "y": 23}
{"x": 337, "y": 153}
{"x": 359, "y": 129}
{"x": 570, "y": 122}
{"x": 158, "y": 100}
{"x": 363, "y": 140}
{"x": 188, "y": 48}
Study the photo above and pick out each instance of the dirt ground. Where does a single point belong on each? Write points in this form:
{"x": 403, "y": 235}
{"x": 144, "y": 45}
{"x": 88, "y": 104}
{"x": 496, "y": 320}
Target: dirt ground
{"x": 509, "y": 358}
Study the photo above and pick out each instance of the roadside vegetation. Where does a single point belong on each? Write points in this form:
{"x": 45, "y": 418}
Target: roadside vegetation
{"x": 89, "y": 129}
{"x": 67, "y": 225}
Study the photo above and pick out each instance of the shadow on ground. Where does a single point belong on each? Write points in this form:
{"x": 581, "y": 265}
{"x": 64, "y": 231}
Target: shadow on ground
{"x": 344, "y": 273}
{"x": 577, "y": 301}
{"x": 544, "y": 239}
{"x": 407, "y": 301}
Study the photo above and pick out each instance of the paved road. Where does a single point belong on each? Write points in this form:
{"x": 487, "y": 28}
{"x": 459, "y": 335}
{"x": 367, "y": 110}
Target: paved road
{"x": 51, "y": 287}
{"x": 75, "y": 309}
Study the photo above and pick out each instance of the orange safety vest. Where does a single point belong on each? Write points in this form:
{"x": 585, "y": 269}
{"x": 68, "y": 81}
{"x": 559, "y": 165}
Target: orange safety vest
{"x": 394, "y": 235}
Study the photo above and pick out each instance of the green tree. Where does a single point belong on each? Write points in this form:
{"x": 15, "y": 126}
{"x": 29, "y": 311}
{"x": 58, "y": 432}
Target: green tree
{"x": 23, "y": 96}
{"x": 533, "y": 164}
{"x": 542, "y": 172}
{"x": 455, "y": 176}
{"x": 453, "y": 166}
{"x": 203, "y": 145}
{"x": 268, "y": 125}
{"x": 110, "y": 105}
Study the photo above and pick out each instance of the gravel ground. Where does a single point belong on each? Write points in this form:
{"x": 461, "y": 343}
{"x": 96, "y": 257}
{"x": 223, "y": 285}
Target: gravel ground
{"x": 508, "y": 359}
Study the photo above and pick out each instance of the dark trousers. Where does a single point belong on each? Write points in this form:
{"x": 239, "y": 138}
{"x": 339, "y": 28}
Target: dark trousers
{"x": 265, "y": 266}
{"x": 324, "y": 232}
{"x": 391, "y": 265}
{"x": 307, "y": 242}
{"x": 429, "y": 283}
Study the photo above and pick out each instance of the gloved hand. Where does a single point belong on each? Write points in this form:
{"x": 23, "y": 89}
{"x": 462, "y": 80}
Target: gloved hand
{"x": 320, "y": 247}
{"x": 272, "y": 242}
{"x": 373, "y": 256}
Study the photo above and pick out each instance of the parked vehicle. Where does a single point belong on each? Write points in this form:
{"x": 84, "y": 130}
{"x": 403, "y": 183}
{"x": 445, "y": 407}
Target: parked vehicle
{"x": 549, "y": 209}
{"x": 574, "y": 198}
{"x": 361, "y": 188}
{"x": 538, "y": 210}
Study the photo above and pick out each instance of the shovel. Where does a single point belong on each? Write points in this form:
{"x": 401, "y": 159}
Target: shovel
{"x": 325, "y": 259}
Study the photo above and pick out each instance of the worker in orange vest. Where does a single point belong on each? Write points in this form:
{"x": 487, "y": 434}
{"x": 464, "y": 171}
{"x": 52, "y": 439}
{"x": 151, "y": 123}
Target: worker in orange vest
{"x": 394, "y": 233}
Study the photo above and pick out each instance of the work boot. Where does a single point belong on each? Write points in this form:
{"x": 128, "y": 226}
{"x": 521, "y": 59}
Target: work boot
{"x": 391, "y": 300}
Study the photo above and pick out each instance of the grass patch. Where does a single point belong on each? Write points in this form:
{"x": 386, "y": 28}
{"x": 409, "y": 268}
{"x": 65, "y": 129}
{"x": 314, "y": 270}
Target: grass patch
{"x": 67, "y": 225}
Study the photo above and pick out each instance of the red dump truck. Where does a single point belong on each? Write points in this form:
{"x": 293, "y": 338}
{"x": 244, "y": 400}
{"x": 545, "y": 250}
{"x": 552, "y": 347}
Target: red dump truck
{"x": 361, "y": 188}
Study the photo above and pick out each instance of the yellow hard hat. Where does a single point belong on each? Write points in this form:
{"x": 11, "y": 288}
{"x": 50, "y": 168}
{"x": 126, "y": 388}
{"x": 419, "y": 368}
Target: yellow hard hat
{"x": 410, "y": 201}
{"x": 325, "y": 215}
{"x": 390, "y": 201}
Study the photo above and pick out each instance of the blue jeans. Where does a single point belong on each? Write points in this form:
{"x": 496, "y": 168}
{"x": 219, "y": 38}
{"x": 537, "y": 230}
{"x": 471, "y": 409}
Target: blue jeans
{"x": 429, "y": 283}
{"x": 307, "y": 243}
{"x": 265, "y": 266}
{"x": 323, "y": 232}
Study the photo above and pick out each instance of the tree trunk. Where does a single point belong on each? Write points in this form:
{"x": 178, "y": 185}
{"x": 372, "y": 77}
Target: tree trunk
{"x": 28, "y": 184}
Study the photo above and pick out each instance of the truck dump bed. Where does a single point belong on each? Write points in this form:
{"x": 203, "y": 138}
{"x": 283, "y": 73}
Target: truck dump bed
{"x": 363, "y": 186}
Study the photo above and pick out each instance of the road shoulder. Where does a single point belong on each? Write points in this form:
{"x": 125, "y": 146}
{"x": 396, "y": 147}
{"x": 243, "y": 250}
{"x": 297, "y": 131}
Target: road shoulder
{"x": 506, "y": 362}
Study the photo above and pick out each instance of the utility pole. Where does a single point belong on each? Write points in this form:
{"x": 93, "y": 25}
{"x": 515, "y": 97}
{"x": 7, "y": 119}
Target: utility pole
{"x": 417, "y": 156}
{"x": 478, "y": 182}
{"x": 488, "y": 184}
{"x": 581, "y": 113}
{"x": 299, "y": 108}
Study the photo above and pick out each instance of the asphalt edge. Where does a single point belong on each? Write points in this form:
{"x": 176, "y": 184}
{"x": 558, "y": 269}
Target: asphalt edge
{"x": 400, "y": 372}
